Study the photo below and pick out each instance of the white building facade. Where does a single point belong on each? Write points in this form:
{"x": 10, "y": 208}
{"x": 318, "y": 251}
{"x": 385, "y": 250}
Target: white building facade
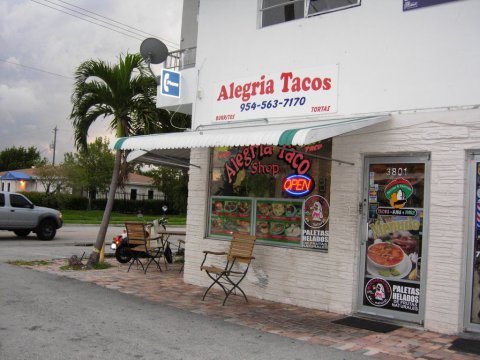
{"x": 388, "y": 106}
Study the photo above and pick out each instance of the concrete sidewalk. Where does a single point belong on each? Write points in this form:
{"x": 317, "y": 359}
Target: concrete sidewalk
{"x": 309, "y": 325}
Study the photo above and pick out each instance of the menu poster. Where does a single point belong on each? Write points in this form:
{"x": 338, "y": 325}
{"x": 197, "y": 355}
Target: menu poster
{"x": 316, "y": 213}
{"x": 279, "y": 221}
{"x": 392, "y": 295}
{"x": 393, "y": 246}
{"x": 230, "y": 215}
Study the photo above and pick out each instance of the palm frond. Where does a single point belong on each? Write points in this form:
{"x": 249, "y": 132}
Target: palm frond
{"x": 124, "y": 92}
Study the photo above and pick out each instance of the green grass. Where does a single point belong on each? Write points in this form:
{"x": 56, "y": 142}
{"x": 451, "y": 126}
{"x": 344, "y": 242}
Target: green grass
{"x": 95, "y": 217}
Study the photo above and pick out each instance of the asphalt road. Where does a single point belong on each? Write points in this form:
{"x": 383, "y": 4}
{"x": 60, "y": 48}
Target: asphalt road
{"x": 45, "y": 316}
{"x": 70, "y": 240}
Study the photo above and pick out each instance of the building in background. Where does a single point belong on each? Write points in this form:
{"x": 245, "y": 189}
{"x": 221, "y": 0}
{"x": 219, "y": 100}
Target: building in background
{"x": 344, "y": 135}
{"x": 137, "y": 187}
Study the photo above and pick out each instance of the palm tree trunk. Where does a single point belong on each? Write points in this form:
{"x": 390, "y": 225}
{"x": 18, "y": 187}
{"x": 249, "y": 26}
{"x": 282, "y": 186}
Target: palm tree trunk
{"x": 99, "y": 243}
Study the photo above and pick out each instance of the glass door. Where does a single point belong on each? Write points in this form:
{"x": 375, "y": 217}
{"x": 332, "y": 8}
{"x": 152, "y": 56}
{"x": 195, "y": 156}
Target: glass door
{"x": 472, "y": 302}
{"x": 393, "y": 238}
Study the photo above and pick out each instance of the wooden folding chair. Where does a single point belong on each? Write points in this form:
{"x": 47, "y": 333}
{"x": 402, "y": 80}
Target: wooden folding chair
{"x": 138, "y": 241}
{"x": 238, "y": 255}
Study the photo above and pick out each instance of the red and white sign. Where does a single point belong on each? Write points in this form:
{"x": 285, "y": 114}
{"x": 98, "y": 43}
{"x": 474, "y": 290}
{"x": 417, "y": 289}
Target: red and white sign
{"x": 289, "y": 93}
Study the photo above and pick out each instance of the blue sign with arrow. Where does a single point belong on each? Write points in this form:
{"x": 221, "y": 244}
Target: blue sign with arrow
{"x": 170, "y": 83}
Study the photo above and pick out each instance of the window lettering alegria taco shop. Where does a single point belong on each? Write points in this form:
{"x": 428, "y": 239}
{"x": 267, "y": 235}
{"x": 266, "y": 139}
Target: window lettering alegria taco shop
{"x": 281, "y": 177}
{"x": 251, "y": 157}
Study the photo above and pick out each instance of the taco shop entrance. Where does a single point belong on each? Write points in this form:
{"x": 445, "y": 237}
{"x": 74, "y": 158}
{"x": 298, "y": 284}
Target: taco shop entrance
{"x": 472, "y": 301}
{"x": 393, "y": 238}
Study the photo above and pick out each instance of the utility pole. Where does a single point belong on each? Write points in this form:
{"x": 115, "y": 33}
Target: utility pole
{"x": 55, "y": 129}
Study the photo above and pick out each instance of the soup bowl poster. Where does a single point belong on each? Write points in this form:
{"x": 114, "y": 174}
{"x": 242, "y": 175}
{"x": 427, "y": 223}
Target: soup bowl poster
{"x": 393, "y": 261}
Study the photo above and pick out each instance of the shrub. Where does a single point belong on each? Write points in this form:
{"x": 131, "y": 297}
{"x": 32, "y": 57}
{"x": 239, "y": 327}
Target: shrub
{"x": 76, "y": 203}
{"x": 146, "y": 207}
{"x": 62, "y": 201}
{"x": 58, "y": 201}
{"x": 43, "y": 199}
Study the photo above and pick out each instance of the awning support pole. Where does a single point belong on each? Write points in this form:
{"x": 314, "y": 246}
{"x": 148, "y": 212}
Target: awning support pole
{"x": 186, "y": 166}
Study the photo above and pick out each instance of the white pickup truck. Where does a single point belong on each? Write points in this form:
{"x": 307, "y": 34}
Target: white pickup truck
{"x": 20, "y": 215}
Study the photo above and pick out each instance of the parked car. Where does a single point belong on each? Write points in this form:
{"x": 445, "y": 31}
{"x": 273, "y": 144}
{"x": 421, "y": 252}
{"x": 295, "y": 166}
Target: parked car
{"x": 20, "y": 215}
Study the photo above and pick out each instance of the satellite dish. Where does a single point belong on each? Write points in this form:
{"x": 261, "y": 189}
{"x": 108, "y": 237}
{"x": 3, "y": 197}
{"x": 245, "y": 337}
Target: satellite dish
{"x": 153, "y": 51}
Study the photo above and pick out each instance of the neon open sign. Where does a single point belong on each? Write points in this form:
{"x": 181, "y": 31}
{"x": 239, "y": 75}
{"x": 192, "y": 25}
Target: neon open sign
{"x": 298, "y": 185}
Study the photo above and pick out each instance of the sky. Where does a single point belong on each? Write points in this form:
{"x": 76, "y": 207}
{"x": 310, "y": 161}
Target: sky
{"x": 40, "y": 48}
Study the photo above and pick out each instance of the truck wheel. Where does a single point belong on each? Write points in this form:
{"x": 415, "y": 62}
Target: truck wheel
{"x": 46, "y": 230}
{"x": 22, "y": 233}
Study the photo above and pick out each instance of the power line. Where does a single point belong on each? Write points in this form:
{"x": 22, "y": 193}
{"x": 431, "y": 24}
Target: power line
{"x": 36, "y": 69}
{"x": 106, "y": 27}
{"x": 137, "y": 34}
{"x": 117, "y": 22}
{"x": 91, "y": 17}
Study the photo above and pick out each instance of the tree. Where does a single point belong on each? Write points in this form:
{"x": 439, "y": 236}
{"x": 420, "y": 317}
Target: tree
{"x": 90, "y": 169}
{"x": 16, "y": 158}
{"x": 125, "y": 94}
{"x": 174, "y": 122}
{"x": 50, "y": 176}
{"x": 173, "y": 183}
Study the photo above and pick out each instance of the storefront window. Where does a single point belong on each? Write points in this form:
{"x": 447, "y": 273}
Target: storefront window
{"x": 279, "y": 194}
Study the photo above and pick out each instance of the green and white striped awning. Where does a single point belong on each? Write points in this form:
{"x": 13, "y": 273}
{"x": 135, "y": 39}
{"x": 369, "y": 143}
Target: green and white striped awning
{"x": 237, "y": 135}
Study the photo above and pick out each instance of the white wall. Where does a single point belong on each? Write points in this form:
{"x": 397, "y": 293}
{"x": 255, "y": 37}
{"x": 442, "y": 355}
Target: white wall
{"x": 17, "y": 186}
{"x": 388, "y": 59}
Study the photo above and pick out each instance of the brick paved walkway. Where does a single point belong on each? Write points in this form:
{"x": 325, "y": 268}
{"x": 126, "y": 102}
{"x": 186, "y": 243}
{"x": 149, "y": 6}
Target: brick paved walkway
{"x": 312, "y": 326}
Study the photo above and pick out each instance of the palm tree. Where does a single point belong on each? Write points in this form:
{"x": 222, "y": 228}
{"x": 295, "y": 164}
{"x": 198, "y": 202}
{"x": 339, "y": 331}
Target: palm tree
{"x": 123, "y": 93}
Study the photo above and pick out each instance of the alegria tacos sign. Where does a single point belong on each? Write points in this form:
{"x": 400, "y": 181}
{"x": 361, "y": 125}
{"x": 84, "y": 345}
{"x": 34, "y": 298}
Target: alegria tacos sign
{"x": 297, "y": 92}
